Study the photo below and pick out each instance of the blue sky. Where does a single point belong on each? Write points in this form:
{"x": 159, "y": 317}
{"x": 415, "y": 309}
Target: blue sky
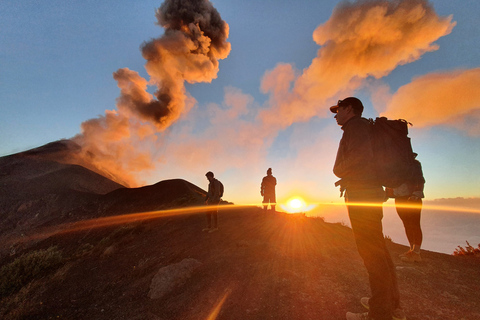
{"x": 57, "y": 59}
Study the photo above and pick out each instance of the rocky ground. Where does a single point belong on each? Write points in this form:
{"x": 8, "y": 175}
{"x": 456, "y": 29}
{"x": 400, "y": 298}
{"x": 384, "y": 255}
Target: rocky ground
{"x": 257, "y": 266}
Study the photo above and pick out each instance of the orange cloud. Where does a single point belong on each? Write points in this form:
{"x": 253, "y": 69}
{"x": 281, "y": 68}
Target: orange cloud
{"x": 443, "y": 98}
{"x": 361, "y": 39}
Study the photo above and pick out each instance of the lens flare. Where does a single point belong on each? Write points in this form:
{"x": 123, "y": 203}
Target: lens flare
{"x": 214, "y": 314}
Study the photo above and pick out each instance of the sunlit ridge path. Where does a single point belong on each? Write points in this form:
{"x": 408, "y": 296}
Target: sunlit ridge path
{"x": 141, "y": 216}
{"x": 122, "y": 219}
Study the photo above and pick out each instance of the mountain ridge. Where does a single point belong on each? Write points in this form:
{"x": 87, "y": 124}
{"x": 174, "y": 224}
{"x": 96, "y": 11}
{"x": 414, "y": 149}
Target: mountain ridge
{"x": 39, "y": 188}
{"x": 258, "y": 265}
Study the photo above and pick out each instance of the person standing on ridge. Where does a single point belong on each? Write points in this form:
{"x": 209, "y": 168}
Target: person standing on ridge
{"x": 213, "y": 198}
{"x": 364, "y": 195}
{"x": 408, "y": 203}
{"x": 267, "y": 190}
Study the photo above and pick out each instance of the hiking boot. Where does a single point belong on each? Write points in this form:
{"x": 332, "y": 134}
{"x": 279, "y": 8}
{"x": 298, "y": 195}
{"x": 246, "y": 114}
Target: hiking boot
{"x": 404, "y": 254}
{"x": 206, "y": 229}
{"x": 364, "y": 302}
{"x": 213, "y": 230}
{"x": 358, "y": 316}
{"x": 398, "y": 314}
{"x": 411, "y": 256}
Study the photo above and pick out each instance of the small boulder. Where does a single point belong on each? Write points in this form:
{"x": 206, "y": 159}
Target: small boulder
{"x": 171, "y": 277}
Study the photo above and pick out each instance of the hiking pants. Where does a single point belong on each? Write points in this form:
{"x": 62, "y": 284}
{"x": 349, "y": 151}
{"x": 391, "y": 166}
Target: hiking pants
{"x": 269, "y": 198}
{"x": 212, "y": 215}
{"x": 367, "y": 228}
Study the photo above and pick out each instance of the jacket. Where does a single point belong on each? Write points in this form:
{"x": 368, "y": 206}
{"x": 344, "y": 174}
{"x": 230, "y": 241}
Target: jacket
{"x": 268, "y": 185}
{"x": 214, "y": 190}
{"x": 354, "y": 163}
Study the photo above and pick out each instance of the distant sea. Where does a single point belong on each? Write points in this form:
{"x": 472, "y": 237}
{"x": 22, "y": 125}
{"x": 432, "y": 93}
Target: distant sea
{"x": 442, "y": 230}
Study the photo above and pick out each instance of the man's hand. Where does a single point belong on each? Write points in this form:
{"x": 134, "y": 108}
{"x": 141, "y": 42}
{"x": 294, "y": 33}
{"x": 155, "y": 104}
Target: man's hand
{"x": 342, "y": 190}
{"x": 417, "y": 195}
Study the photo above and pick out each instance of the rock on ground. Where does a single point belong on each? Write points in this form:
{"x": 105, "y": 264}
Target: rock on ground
{"x": 172, "y": 276}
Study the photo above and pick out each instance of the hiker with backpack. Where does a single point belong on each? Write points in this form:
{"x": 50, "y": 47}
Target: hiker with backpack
{"x": 364, "y": 195}
{"x": 408, "y": 203}
{"x": 213, "y": 198}
{"x": 267, "y": 190}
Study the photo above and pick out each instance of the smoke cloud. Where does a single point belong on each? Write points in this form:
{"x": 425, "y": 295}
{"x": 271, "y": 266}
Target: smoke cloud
{"x": 194, "y": 39}
{"x": 116, "y": 147}
{"x": 447, "y": 98}
{"x": 362, "y": 39}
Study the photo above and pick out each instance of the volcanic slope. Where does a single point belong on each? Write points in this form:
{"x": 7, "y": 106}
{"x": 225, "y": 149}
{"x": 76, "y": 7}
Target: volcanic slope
{"x": 36, "y": 186}
{"x": 38, "y": 189}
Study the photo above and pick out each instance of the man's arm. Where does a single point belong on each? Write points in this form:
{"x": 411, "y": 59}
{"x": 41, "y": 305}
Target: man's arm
{"x": 209, "y": 192}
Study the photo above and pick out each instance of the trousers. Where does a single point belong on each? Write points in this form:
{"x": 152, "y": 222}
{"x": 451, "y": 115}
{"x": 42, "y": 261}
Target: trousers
{"x": 365, "y": 212}
{"x": 212, "y": 214}
{"x": 269, "y": 198}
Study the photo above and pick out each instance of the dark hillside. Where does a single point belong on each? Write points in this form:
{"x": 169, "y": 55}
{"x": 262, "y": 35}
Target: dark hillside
{"x": 255, "y": 267}
{"x": 149, "y": 266}
{"x": 162, "y": 195}
{"x": 22, "y": 176}
{"x": 36, "y": 189}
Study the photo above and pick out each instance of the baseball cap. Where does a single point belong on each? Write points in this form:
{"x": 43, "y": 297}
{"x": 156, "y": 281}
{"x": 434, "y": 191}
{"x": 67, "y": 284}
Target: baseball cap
{"x": 352, "y": 101}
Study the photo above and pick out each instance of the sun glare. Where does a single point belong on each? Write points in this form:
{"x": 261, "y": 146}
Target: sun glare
{"x": 296, "y": 205}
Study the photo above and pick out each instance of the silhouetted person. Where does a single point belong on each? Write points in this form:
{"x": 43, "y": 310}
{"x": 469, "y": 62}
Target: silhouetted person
{"x": 354, "y": 165}
{"x": 408, "y": 203}
{"x": 267, "y": 190}
{"x": 214, "y": 195}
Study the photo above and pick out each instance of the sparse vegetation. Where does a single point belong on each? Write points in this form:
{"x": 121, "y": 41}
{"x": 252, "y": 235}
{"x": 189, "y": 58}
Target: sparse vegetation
{"x": 83, "y": 250}
{"x": 467, "y": 251}
{"x": 28, "y": 267}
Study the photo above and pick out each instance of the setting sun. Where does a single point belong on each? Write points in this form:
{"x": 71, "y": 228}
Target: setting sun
{"x": 296, "y": 205}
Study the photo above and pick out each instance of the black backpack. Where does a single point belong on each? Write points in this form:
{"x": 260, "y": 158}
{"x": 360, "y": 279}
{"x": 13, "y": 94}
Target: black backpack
{"x": 393, "y": 153}
{"x": 220, "y": 185}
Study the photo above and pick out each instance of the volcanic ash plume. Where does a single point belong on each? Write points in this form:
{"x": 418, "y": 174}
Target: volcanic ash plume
{"x": 361, "y": 39}
{"x": 195, "y": 38}
{"x": 434, "y": 99}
